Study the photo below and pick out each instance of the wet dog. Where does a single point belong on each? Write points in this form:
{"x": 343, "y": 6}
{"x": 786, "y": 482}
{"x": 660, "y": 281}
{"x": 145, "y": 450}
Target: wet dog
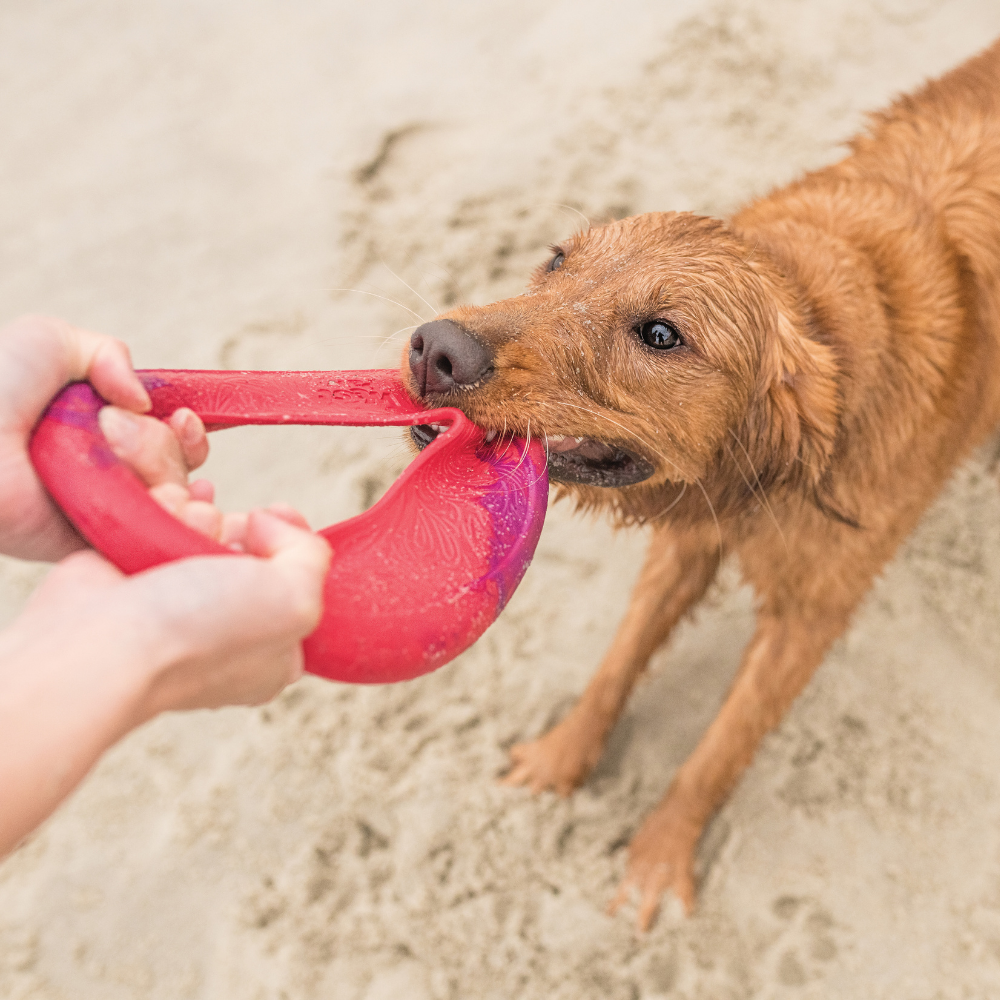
{"x": 793, "y": 386}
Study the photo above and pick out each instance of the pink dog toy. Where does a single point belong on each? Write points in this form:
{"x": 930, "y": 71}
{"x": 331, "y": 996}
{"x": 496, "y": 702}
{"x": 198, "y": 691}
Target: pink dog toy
{"x": 414, "y": 580}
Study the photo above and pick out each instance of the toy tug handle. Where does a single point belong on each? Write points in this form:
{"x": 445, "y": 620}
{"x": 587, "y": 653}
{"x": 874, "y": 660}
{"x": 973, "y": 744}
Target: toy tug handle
{"x": 414, "y": 580}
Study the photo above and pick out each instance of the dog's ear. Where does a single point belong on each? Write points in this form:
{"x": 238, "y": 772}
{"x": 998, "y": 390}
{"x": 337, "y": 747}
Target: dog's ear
{"x": 794, "y": 420}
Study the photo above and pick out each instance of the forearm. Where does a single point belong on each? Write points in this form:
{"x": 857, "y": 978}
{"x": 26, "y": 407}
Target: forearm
{"x": 65, "y": 698}
{"x": 95, "y": 654}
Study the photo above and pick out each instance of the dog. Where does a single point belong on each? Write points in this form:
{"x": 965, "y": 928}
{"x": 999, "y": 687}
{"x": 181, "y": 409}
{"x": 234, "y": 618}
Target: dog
{"x": 793, "y": 386}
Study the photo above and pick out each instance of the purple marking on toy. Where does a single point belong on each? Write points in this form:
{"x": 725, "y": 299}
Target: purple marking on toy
{"x": 73, "y": 406}
{"x": 508, "y": 508}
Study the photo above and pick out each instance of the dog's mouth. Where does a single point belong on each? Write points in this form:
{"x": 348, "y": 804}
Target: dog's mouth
{"x": 571, "y": 459}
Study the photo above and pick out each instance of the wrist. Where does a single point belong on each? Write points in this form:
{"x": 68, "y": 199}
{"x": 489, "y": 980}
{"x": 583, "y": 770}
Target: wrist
{"x": 97, "y": 670}
{"x": 147, "y": 653}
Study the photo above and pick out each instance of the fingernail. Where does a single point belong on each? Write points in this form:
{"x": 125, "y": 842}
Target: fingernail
{"x": 171, "y": 497}
{"x": 190, "y": 431}
{"x": 202, "y": 489}
{"x": 119, "y": 426}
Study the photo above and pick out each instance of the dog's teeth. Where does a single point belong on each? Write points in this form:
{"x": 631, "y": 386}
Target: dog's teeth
{"x": 440, "y": 428}
{"x": 490, "y": 435}
{"x": 562, "y": 442}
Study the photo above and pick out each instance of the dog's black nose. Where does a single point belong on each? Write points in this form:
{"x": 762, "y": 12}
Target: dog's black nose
{"x": 445, "y": 357}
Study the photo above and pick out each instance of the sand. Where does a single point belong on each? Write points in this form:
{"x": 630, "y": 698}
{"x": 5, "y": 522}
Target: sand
{"x": 203, "y": 179}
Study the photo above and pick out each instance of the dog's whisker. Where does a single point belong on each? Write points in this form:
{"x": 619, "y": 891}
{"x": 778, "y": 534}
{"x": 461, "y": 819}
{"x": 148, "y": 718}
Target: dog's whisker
{"x": 545, "y": 466}
{"x": 711, "y": 508}
{"x": 382, "y": 338}
{"x": 402, "y": 329}
{"x": 631, "y": 433}
{"x": 427, "y": 261}
{"x": 570, "y": 208}
{"x": 753, "y": 250}
{"x": 671, "y": 506}
{"x": 750, "y": 486}
{"x": 698, "y": 482}
{"x": 524, "y": 454}
{"x": 763, "y": 495}
{"x": 384, "y": 298}
{"x": 429, "y": 305}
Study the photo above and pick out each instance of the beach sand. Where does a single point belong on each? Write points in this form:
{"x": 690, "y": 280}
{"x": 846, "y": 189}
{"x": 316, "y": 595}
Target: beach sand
{"x": 207, "y": 180}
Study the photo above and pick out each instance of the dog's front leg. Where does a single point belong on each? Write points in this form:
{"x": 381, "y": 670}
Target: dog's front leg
{"x": 679, "y": 567}
{"x": 777, "y": 664}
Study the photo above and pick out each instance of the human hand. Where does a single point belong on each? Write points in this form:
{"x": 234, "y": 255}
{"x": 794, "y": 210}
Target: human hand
{"x": 247, "y": 658}
{"x": 162, "y": 454}
{"x": 196, "y": 633}
{"x": 38, "y": 356}
{"x": 238, "y": 659}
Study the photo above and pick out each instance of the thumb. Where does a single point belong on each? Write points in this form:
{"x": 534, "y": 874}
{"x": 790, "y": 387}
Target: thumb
{"x": 106, "y": 362}
{"x": 302, "y": 556}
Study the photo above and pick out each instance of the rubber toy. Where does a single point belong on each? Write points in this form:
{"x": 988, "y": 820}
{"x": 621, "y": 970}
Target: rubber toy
{"x": 415, "y": 579}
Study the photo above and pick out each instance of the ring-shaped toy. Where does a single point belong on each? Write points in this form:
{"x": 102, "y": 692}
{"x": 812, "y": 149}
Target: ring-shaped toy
{"x": 414, "y": 580}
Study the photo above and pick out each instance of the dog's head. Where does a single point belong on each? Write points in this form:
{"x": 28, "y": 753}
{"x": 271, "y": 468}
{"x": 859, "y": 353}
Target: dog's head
{"x": 648, "y": 353}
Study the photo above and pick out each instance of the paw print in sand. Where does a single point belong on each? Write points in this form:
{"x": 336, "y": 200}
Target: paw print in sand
{"x": 806, "y": 943}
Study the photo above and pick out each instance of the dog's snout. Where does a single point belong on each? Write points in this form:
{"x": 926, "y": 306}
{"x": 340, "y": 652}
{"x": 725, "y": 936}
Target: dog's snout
{"x": 445, "y": 357}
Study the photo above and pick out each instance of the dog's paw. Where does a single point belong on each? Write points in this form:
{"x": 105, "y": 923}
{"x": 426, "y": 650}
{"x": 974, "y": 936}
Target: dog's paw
{"x": 660, "y": 858}
{"x": 561, "y": 759}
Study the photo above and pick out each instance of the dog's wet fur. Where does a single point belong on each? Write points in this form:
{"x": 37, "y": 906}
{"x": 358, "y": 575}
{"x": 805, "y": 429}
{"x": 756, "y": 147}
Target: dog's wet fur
{"x": 793, "y": 386}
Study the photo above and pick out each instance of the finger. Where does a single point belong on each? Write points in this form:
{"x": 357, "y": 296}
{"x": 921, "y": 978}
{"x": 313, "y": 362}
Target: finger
{"x": 269, "y": 536}
{"x": 148, "y": 445}
{"x": 202, "y": 489}
{"x": 234, "y": 530}
{"x": 203, "y": 517}
{"x": 288, "y": 514}
{"x": 171, "y": 497}
{"x": 198, "y": 514}
{"x": 303, "y": 556}
{"x": 190, "y": 431}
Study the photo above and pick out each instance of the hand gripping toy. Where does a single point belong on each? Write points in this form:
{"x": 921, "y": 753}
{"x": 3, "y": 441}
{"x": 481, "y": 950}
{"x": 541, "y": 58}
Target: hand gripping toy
{"x": 414, "y": 580}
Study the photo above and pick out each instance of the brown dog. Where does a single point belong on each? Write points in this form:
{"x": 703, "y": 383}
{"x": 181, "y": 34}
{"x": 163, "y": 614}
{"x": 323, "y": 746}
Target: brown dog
{"x": 794, "y": 386}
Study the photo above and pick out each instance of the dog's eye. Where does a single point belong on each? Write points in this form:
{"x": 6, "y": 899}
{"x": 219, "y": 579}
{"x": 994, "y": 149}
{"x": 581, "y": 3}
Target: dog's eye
{"x": 557, "y": 261}
{"x": 660, "y": 334}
